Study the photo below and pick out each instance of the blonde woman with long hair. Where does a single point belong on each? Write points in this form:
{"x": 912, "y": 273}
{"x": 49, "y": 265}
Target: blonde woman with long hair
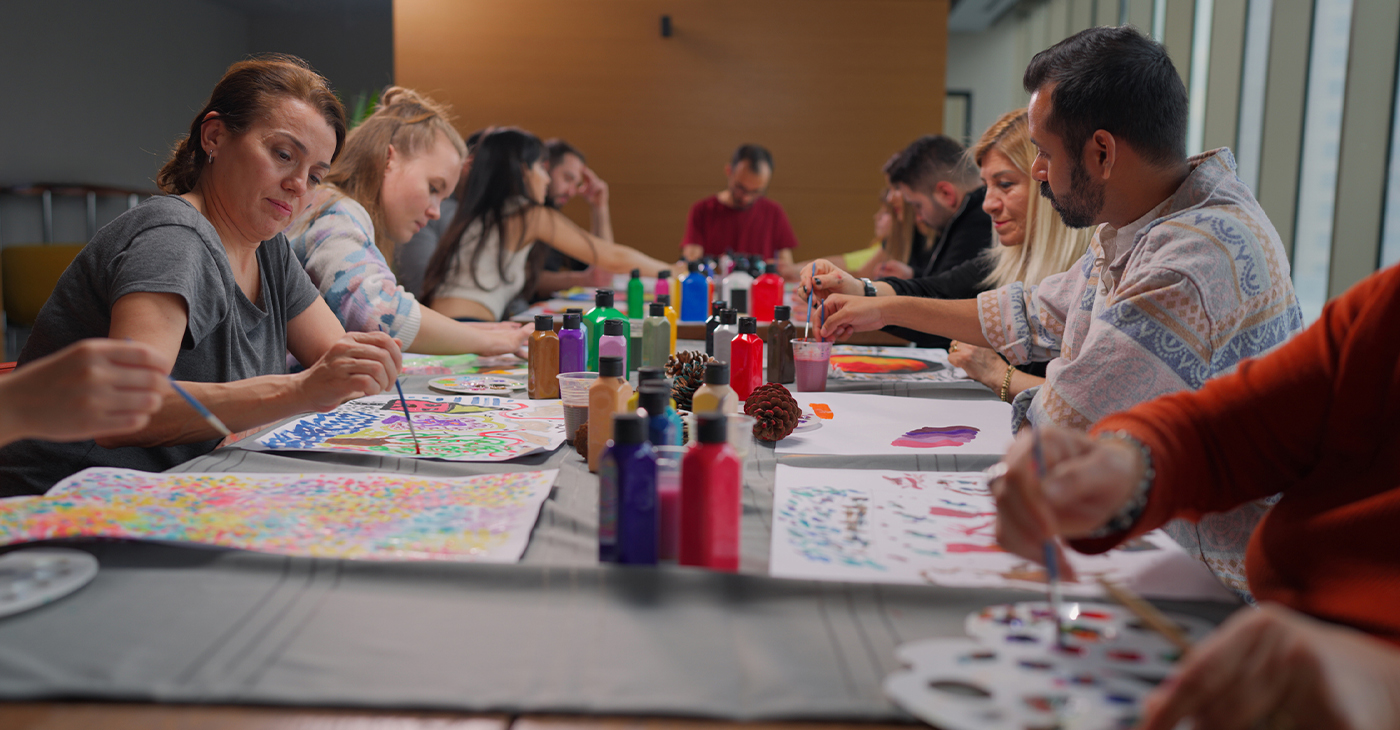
{"x": 1031, "y": 243}
{"x": 389, "y": 181}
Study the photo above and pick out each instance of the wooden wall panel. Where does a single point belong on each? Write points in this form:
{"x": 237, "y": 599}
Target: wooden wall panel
{"x": 832, "y": 87}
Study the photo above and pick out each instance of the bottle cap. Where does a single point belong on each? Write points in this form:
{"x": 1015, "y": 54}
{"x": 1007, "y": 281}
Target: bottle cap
{"x": 664, "y": 274}
{"x": 603, "y": 299}
{"x": 573, "y": 320}
{"x": 748, "y": 325}
{"x": 729, "y": 316}
{"x": 718, "y": 306}
{"x": 613, "y": 327}
{"x": 629, "y": 428}
{"x": 654, "y": 398}
{"x": 717, "y": 373}
{"x": 578, "y": 310}
{"x": 711, "y": 428}
{"x": 648, "y": 374}
{"x": 656, "y": 309}
{"x": 782, "y": 312}
{"x": 694, "y": 267}
{"x": 771, "y": 268}
{"x": 544, "y": 322}
{"x": 664, "y": 299}
{"x": 636, "y": 273}
{"x": 610, "y": 366}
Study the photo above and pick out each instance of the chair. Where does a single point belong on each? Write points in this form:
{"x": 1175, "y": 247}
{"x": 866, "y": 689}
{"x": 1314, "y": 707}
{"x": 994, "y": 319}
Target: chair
{"x": 29, "y": 274}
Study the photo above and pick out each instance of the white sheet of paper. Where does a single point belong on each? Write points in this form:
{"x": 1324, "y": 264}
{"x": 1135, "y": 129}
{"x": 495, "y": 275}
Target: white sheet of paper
{"x": 938, "y": 528}
{"x": 871, "y": 363}
{"x": 863, "y": 424}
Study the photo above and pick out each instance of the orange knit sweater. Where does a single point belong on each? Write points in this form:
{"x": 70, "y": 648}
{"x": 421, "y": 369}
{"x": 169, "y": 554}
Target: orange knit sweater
{"x": 1317, "y": 420}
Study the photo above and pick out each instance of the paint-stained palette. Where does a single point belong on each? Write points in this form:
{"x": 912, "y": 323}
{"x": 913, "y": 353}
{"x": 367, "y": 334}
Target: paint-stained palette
{"x": 898, "y": 364}
{"x": 476, "y": 385}
{"x": 960, "y": 684}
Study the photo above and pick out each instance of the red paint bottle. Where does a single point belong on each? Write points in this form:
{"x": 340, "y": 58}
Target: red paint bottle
{"x": 746, "y": 359}
{"x": 712, "y": 485}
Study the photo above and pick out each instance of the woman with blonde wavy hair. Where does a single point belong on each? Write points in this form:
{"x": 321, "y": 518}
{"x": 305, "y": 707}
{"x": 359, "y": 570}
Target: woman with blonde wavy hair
{"x": 1031, "y": 242}
{"x": 390, "y": 180}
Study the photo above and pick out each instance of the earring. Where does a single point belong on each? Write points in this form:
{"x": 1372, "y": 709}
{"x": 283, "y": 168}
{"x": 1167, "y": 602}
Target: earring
{"x": 211, "y": 158}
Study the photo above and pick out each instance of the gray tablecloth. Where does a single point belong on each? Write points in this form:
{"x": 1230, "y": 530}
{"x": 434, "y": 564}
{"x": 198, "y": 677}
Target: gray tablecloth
{"x": 556, "y": 633}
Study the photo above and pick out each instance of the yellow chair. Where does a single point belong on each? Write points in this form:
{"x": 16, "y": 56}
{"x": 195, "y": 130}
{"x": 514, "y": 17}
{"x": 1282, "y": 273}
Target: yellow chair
{"x": 29, "y": 274}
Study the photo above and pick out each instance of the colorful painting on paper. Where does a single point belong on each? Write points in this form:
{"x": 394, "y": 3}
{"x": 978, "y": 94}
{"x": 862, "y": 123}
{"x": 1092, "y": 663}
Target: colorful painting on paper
{"x": 940, "y": 528}
{"x": 463, "y": 365}
{"x": 454, "y": 428}
{"x": 865, "y": 424}
{"x": 907, "y": 364}
{"x": 483, "y": 518}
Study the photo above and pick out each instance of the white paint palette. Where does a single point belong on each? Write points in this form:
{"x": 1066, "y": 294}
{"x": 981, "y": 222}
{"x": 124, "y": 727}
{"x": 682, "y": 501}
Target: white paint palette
{"x": 33, "y": 577}
{"x": 960, "y": 684}
{"x": 476, "y": 385}
{"x": 1103, "y": 635}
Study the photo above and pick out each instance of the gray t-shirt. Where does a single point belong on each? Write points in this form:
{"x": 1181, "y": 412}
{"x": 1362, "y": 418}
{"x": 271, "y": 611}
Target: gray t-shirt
{"x": 162, "y": 245}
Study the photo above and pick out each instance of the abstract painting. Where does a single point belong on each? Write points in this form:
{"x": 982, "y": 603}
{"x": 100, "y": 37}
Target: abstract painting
{"x": 454, "y": 428}
{"x": 864, "y": 424}
{"x": 940, "y": 528}
{"x": 884, "y": 364}
{"x": 483, "y": 518}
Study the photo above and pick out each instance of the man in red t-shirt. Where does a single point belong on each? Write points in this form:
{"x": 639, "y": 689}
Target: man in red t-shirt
{"x": 740, "y": 219}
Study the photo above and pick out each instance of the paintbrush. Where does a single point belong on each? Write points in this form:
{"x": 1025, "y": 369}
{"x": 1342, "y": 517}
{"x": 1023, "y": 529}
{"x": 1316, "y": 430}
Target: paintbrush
{"x": 1148, "y": 613}
{"x": 403, "y": 402}
{"x": 199, "y": 408}
{"x": 807, "y": 333}
{"x": 1052, "y": 567}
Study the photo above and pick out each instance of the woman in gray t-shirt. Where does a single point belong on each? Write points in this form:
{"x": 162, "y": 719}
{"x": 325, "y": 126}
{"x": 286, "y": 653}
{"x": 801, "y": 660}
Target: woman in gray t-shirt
{"x": 204, "y": 276}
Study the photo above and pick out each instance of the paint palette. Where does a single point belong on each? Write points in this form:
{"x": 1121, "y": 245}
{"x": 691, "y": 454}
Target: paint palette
{"x": 476, "y": 385}
{"x": 808, "y": 421}
{"x": 31, "y": 578}
{"x": 960, "y": 684}
{"x": 1102, "y": 635}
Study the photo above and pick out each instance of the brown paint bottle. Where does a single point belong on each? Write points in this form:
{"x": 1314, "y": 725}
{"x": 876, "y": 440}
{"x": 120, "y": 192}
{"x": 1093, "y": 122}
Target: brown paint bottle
{"x": 782, "y": 368}
{"x": 543, "y": 380}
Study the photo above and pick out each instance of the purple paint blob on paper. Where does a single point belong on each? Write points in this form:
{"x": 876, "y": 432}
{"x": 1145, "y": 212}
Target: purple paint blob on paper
{"x": 930, "y": 437}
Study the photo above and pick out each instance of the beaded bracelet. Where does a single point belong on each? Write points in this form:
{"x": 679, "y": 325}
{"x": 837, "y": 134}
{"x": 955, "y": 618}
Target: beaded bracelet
{"x": 1006, "y": 383}
{"x": 1137, "y": 503}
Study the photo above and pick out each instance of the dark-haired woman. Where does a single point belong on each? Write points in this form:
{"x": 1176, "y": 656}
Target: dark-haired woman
{"x": 204, "y": 277}
{"x": 484, "y": 259}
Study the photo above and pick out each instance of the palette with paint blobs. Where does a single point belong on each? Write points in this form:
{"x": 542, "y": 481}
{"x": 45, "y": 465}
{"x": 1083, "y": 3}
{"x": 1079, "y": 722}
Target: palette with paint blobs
{"x": 33, "y": 577}
{"x": 1103, "y": 635}
{"x": 961, "y": 684}
{"x": 476, "y": 385}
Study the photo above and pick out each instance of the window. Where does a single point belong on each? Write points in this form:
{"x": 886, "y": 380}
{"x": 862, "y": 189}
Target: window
{"x": 1254, "y": 78}
{"x": 1390, "y": 229}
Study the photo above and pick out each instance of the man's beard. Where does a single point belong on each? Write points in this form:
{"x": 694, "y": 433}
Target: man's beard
{"x": 1081, "y": 208}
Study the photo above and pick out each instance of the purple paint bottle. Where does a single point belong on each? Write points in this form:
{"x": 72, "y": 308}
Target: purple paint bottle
{"x": 627, "y": 494}
{"x": 573, "y": 344}
{"x": 614, "y": 343}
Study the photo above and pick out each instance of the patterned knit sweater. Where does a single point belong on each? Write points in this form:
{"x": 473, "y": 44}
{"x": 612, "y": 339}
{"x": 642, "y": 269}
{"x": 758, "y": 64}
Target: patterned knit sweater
{"x": 1159, "y": 306}
{"x": 333, "y": 238}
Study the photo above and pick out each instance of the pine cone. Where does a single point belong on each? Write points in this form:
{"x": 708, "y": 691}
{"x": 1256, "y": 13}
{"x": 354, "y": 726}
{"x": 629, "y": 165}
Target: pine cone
{"x": 687, "y": 371}
{"x": 581, "y": 441}
{"x": 774, "y": 410}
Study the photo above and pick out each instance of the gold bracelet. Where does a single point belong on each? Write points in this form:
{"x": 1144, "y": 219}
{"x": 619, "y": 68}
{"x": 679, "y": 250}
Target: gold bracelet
{"x": 1006, "y": 383}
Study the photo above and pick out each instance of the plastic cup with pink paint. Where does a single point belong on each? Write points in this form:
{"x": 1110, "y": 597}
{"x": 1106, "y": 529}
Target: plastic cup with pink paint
{"x": 812, "y": 358}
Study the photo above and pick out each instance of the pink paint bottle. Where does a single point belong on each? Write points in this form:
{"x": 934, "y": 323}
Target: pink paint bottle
{"x": 746, "y": 359}
{"x": 712, "y": 486}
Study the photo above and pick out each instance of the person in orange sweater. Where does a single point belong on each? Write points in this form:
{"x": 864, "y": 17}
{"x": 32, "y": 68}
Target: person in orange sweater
{"x": 1317, "y": 420}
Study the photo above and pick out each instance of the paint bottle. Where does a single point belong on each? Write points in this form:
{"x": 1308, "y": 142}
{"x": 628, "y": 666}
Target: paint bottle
{"x": 738, "y": 284}
{"x": 607, "y": 396}
{"x": 746, "y": 359}
{"x": 614, "y": 341}
{"x": 708, "y": 265}
{"x": 662, "y": 288}
{"x": 543, "y": 361}
{"x": 725, "y": 333}
{"x": 767, "y": 293}
{"x": 656, "y": 337}
{"x": 664, "y": 426}
{"x": 717, "y": 308}
{"x": 593, "y": 322}
{"x": 636, "y": 296}
{"x": 573, "y": 344}
{"x": 627, "y": 501}
{"x": 695, "y": 291}
{"x": 711, "y": 489}
{"x": 715, "y": 395}
{"x": 672, "y": 316}
{"x": 781, "y": 367}
{"x": 644, "y": 376}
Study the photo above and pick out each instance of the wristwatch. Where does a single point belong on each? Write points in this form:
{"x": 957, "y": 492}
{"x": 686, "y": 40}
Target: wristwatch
{"x": 869, "y": 287}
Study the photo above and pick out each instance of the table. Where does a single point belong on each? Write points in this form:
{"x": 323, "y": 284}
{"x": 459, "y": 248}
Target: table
{"x": 557, "y": 633}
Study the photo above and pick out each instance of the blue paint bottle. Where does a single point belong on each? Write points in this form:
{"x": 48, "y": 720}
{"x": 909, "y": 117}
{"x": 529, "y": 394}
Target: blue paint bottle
{"x": 627, "y": 508}
{"x": 695, "y": 294}
{"x": 663, "y": 423}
